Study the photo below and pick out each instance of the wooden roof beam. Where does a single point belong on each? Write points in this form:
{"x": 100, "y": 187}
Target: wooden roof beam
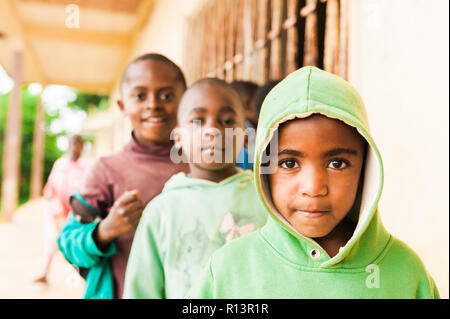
{"x": 16, "y": 34}
{"x": 123, "y": 6}
{"x": 78, "y": 35}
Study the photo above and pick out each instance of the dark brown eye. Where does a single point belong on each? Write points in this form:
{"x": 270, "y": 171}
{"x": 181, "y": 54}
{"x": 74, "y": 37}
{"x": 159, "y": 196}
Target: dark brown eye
{"x": 289, "y": 164}
{"x": 228, "y": 122}
{"x": 338, "y": 164}
{"x": 141, "y": 96}
{"x": 166, "y": 96}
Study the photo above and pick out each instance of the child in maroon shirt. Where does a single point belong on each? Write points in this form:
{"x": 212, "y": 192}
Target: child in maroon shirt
{"x": 117, "y": 187}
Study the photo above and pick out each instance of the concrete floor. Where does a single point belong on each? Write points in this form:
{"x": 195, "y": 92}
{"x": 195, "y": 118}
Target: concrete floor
{"x": 21, "y": 247}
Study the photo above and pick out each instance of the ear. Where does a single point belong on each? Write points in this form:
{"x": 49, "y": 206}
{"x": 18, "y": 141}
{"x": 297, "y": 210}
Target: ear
{"x": 121, "y": 105}
{"x": 176, "y": 134}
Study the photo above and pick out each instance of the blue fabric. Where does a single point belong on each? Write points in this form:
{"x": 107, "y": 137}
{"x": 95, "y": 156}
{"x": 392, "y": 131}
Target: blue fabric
{"x": 78, "y": 246}
{"x": 242, "y": 160}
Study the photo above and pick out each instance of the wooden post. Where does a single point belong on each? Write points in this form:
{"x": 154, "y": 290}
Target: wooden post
{"x": 292, "y": 36}
{"x": 343, "y": 51}
{"x": 11, "y": 156}
{"x": 254, "y": 52}
{"x": 221, "y": 38}
{"x": 311, "y": 53}
{"x": 37, "y": 164}
{"x": 262, "y": 44}
{"x": 230, "y": 41}
{"x": 276, "y": 71}
{"x": 248, "y": 38}
{"x": 239, "y": 44}
{"x": 331, "y": 50}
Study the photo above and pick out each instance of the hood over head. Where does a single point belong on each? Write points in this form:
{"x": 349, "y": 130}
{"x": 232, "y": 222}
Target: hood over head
{"x": 308, "y": 91}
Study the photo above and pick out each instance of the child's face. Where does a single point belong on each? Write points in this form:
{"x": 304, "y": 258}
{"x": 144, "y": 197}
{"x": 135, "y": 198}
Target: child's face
{"x": 75, "y": 147}
{"x": 151, "y": 94}
{"x": 316, "y": 180}
{"x": 206, "y": 114}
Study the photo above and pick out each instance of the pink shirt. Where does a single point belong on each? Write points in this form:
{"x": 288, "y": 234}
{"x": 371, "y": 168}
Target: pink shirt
{"x": 65, "y": 180}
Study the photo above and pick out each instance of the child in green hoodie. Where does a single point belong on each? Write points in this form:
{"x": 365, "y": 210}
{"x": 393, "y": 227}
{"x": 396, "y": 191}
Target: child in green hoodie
{"x": 320, "y": 175}
{"x": 197, "y": 213}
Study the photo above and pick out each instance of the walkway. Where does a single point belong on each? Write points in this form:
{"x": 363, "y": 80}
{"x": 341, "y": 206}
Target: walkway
{"x": 21, "y": 247}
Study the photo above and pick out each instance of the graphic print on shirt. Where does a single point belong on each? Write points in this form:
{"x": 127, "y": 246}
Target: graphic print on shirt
{"x": 232, "y": 230}
{"x": 195, "y": 247}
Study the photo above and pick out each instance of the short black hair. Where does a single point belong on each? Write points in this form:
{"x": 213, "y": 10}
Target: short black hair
{"x": 261, "y": 93}
{"x": 245, "y": 87}
{"x": 234, "y": 95}
{"x": 76, "y": 137}
{"x": 179, "y": 76}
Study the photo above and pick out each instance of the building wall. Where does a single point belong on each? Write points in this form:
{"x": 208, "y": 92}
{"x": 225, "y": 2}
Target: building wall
{"x": 163, "y": 33}
{"x": 398, "y": 61}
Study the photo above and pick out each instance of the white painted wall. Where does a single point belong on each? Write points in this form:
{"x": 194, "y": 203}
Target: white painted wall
{"x": 399, "y": 64}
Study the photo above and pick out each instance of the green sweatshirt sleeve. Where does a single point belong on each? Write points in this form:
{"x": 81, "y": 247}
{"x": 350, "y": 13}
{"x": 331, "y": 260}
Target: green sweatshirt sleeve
{"x": 144, "y": 277}
{"x": 78, "y": 246}
{"x": 427, "y": 288}
{"x": 203, "y": 287}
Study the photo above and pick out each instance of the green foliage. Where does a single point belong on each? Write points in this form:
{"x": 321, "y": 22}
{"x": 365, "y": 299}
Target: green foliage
{"x": 51, "y": 151}
{"x": 87, "y": 102}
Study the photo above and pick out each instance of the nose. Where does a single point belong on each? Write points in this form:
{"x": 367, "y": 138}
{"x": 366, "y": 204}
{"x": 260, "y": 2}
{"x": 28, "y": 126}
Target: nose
{"x": 211, "y": 130}
{"x": 211, "y": 133}
{"x": 313, "y": 182}
{"x": 152, "y": 101}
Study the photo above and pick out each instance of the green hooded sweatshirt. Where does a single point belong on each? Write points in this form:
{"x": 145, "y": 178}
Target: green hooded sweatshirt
{"x": 279, "y": 262}
{"x": 183, "y": 226}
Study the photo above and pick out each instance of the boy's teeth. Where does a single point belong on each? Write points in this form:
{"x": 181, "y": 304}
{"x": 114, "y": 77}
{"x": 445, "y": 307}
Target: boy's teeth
{"x": 155, "y": 119}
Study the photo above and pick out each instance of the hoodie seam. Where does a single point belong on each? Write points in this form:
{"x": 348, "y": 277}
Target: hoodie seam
{"x": 289, "y": 263}
{"x": 308, "y": 96}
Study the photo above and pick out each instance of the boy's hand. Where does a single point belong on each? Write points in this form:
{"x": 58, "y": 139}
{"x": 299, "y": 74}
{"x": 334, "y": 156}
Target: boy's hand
{"x": 123, "y": 218}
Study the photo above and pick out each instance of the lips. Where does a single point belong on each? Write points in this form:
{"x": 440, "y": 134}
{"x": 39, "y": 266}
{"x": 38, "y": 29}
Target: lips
{"x": 213, "y": 148}
{"x": 313, "y": 211}
{"x": 154, "y": 120}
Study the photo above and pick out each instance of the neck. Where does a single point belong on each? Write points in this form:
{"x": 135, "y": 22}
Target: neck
{"x": 74, "y": 157}
{"x": 212, "y": 175}
{"x": 147, "y": 142}
{"x": 338, "y": 237}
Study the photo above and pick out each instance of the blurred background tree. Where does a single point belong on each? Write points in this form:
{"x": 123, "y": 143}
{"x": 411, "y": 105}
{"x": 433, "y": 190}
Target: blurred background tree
{"x": 82, "y": 102}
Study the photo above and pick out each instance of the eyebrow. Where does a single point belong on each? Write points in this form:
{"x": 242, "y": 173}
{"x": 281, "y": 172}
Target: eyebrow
{"x": 225, "y": 109}
{"x": 330, "y": 153}
{"x": 198, "y": 109}
{"x": 291, "y": 152}
{"x": 340, "y": 150}
{"x": 139, "y": 87}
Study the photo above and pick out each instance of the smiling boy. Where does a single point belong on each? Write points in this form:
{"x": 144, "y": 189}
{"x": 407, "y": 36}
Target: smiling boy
{"x": 107, "y": 209}
{"x": 320, "y": 175}
{"x": 197, "y": 213}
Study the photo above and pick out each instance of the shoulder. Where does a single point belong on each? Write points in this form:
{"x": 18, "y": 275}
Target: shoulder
{"x": 407, "y": 264}
{"x": 167, "y": 203}
{"x": 403, "y": 262}
{"x": 61, "y": 162}
{"x": 101, "y": 165}
{"x": 405, "y": 255}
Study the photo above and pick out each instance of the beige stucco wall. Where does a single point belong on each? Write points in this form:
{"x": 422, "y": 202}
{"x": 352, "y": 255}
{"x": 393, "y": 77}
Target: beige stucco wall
{"x": 398, "y": 61}
{"x": 163, "y": 33}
